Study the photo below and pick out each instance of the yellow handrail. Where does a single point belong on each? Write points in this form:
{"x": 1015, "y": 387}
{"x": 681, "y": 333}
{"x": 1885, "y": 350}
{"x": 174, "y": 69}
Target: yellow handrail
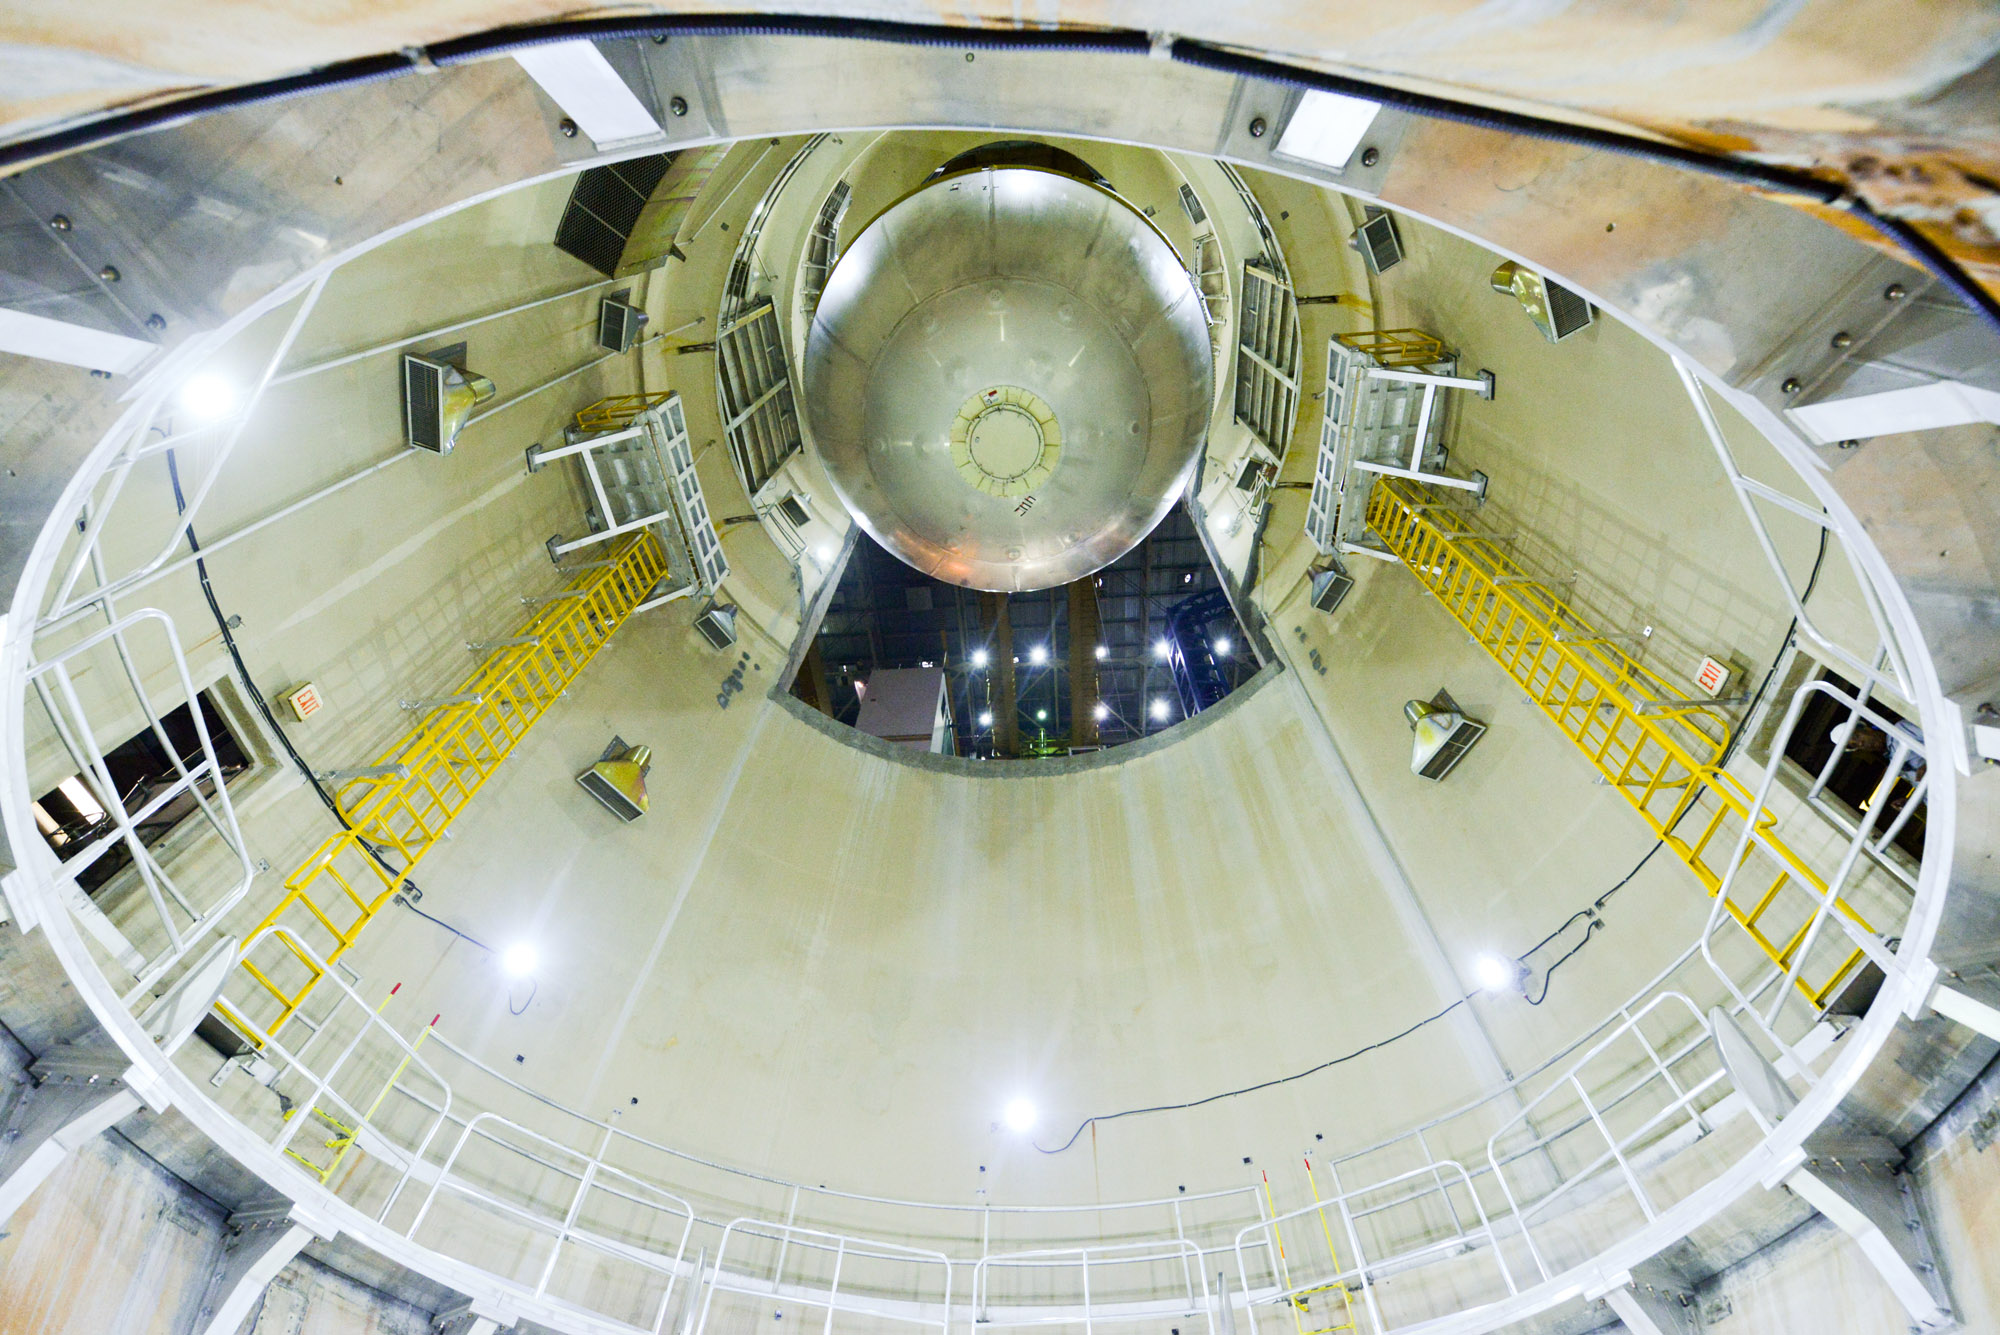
{"x": 1664, "y": 761}
{"x": 617, "y": 410}
{"x": 399, "y": 817}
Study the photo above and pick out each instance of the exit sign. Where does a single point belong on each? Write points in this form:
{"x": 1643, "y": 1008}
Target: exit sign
{"x": 304, "y": 702}
{"x": 1712, "y": 676}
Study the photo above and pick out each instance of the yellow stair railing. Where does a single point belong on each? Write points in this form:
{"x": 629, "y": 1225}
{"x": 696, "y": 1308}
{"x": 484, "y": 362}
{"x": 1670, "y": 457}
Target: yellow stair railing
{"x": 617, "y": 410}
{"x": 1338, "y": 1312}
{"x": 1657, "y": 750}
{"x": 433, "y": 771}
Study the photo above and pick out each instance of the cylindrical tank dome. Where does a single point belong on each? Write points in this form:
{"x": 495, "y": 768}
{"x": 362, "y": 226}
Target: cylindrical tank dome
{"x": 1008, "y": 377}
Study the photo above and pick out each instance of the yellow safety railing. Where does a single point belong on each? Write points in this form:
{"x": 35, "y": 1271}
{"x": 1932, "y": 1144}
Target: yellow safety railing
{"x": 1658, "y": 750}
{"x": 434, "y": 770}
{"x": 1398, "y": 347}
{"x": 1335, "y": 1318}
{"x": 617, "y": 410}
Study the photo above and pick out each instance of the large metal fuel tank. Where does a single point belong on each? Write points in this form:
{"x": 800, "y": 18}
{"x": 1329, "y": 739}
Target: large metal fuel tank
{"x": 1008, "y": 378}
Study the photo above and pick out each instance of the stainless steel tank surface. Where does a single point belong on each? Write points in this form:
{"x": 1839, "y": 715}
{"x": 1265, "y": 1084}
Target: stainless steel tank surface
{"x": 1008, "y": 378}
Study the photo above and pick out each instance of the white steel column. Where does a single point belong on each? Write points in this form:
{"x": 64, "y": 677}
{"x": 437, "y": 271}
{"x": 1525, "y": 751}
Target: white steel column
{"x": 80, "y": 1092}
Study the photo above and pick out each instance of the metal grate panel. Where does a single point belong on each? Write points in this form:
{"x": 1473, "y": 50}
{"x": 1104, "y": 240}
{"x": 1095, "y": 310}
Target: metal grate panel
{"x": 823, "y": 246}
{"x": 604, "y": 206}
{"x": 423, "y": 404}
{"x": 759, "y": 414}
{"x": 1267, "y": 358}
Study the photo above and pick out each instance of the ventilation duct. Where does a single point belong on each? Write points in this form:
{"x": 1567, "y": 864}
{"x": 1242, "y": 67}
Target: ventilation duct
{"x": 1443, "y": 735}
{"x": 438, "y": 399}
{"x": 619, "y": 323}
{"x": 604, "y": 206}
{"x": 1556, "y": 311}
{"x": 718, "y": 625}
{"x": 1330, "y": 586}
{"x": 619, "y": 781}
{"x": 1377, "y": 240}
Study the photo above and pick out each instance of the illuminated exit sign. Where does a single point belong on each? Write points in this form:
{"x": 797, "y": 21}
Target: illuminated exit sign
{"x": 1712, "y": 677}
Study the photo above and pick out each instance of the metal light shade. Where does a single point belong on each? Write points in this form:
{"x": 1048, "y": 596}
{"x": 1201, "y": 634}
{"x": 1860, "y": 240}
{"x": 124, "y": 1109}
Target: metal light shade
{"x": 463, "y": 391}
{"x": 1443, "y": 735}
{"x": 620, "y": 782}
{"x": 1008, "y": 378}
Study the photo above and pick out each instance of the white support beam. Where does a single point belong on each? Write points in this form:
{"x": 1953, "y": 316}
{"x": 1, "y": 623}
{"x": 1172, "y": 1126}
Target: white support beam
{"x": 48, "y": 340}
{"x": 473, "y": 1317}
{"x": 66, "y": 1110}
{"x": 263, "y": 1239}
{"x": 1968, "y": 1011}
{"x": 1851, "y": 1180}
{"x": 1652, "y": 1300}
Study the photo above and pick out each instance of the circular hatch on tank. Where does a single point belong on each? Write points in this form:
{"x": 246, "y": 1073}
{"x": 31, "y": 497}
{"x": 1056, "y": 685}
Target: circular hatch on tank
{"x": 1008, "y": 378}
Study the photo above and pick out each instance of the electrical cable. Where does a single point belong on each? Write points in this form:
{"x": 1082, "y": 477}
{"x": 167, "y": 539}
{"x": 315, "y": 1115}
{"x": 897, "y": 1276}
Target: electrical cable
{"x": 410, "y": 891}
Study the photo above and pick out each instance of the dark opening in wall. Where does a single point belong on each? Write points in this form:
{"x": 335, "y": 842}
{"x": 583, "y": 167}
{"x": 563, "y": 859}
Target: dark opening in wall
{"x": 1165, "y": 646}
{"x": 72, "y": 815}
{"x": 1863, "y": 761}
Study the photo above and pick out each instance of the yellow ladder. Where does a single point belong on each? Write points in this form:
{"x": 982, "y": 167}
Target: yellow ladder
{"x": 434, "y": 770}
{"x": 1659, "y": 751}
{"x": 1301, "y": 1302}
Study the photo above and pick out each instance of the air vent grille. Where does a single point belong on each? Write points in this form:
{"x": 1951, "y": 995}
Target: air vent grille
{"x": 1381, "y": 248}
{"x": 1195, "y": 213}
{"x": 1567, "y": 311}
{"x": 604, "y": 206}
{"x": 618, "y": 323}
{"x": 423, "y": 404}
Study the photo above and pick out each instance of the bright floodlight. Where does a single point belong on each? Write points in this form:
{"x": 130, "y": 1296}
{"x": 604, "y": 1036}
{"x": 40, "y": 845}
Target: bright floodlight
{"x": 1041, "y": 716}
{"x": 518, "y": 959}
{"x": 986, "y": 719}
{"x": 825, "y": 555}
{"x": 208, "y": 396}
{"x": 1222, "y": 646}
{"x": 1101, "y": 711}
{"x": 1102, "y": 651}
{"x": 1493, "y": 973}
{"x": 1038, "y": 654}
{"x": 1019, "y": 1116}
{"x": 1159, "y": 707}
{"x": 979, "y": 658}
{"x": 1159, "y": 648}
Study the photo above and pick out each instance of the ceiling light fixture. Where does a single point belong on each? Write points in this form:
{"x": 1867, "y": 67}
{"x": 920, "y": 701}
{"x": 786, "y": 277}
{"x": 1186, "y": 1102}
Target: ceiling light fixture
{"x": 1496, "y": 974}
{"x": 519, "y": 959}
{"x": 1020, "y": 1116}
{"x": 1327, "y": 128}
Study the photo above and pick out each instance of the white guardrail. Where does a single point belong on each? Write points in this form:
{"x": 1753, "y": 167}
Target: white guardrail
{"x": 1513, "y": 1202}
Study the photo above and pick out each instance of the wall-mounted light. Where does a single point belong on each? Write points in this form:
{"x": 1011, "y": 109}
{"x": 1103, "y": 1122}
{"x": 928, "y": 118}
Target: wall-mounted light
{"x": 1038, "y": 654}
{"x": 519, "y": 960}
{"x": 1019, "y": 1116}
{"x": 979, "y": 658}
{"x": 1160, "y": 707}
{"x": 1102, "y": 653}
{"x": 986, "y": 719}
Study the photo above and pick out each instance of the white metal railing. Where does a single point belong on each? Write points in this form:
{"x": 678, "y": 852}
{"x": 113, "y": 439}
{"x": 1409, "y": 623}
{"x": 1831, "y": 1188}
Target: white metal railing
{"x": 1828, "y": 901}
{"x": 182, "y": 923}
{"x": 1459, "y": 1188}
{"x": 1193, "y": 1298}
